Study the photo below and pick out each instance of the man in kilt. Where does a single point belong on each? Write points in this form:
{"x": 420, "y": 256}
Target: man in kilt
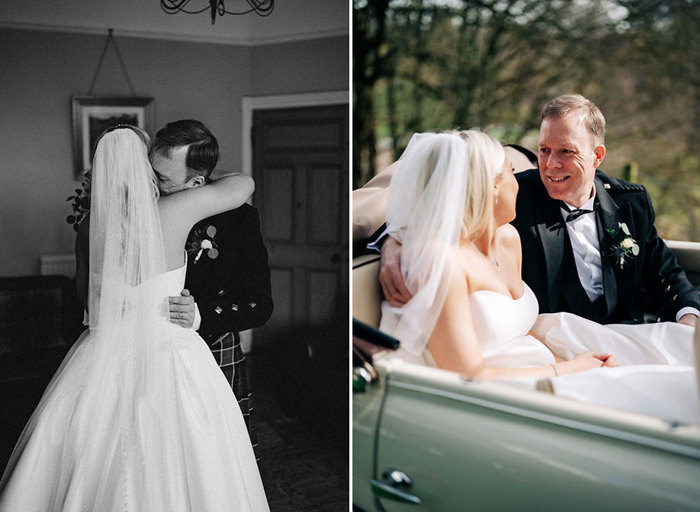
{"x": 227, "y": 289}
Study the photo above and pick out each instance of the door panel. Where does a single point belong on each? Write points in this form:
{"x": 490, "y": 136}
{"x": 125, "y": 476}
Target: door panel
{"x": 278, "y": 220}
{"x": 323, "y": 229}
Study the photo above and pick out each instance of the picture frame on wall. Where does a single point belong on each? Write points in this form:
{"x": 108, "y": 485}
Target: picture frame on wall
{"x": 92, "y": 115}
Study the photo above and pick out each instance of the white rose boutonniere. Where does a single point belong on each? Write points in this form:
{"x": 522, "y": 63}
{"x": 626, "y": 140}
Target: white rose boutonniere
{"x": 203, "y": 240}
{"x": 624, "y": 247}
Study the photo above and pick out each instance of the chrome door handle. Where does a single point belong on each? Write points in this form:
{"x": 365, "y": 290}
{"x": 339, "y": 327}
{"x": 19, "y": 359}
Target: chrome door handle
{"x": 393, "y": 486}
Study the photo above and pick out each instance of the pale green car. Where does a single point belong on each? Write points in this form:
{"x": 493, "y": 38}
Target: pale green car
{"x": 425, "y": 438}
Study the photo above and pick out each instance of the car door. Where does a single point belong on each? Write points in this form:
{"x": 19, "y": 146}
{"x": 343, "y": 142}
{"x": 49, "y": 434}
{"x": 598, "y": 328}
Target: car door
{"x": 445, "y": 444}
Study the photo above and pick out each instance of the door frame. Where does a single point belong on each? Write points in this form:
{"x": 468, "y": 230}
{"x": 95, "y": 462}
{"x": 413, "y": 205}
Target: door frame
{"x": 251, "y": 103}
{"x": 282, "y": 101}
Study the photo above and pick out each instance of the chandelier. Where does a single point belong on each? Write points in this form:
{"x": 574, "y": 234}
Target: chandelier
{"x": 259, "y": 7}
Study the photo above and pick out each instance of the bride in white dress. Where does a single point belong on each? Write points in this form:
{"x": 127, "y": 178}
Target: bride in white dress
{"x": 450, "y": 203}
{"x": 138, "y": 417}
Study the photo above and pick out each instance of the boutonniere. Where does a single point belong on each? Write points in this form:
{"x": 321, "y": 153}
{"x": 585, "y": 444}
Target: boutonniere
{"x": 203, "y": 240}
{"x": 624, "y": 247}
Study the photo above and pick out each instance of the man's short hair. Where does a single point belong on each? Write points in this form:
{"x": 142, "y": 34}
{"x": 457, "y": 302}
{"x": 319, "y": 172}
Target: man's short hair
{"x": 202, "y": 146}
{"x": 593, "y": 117}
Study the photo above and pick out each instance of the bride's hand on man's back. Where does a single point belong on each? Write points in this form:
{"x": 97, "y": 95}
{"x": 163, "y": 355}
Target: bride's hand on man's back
{"x": 393, "y": 284}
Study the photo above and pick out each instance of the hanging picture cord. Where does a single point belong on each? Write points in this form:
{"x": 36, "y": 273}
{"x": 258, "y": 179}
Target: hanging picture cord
{"x": 111, "y": 40}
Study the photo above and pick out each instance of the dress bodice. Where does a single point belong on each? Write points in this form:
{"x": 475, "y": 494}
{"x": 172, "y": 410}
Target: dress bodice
{"x": 164, "y": 285}
{"x": 171, "y": 282}
{"x": 157, "y": 290}
{"x": 175, "y": 279}
{"x": 502, "y": 325}
{"x": 497, "y": 316}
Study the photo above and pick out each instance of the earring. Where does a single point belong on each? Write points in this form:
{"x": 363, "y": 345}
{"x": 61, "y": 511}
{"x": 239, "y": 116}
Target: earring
{"x": 496, "y": 201}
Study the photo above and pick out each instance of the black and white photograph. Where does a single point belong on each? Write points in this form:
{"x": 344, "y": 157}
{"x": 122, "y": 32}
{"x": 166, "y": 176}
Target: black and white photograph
{"x": 174, "y": 292}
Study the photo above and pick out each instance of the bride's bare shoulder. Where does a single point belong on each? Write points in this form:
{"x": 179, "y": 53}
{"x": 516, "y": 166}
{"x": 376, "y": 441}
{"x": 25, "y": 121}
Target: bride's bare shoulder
{"x": 508, "y": 240}
{"x": 466, "y": 262}
{"x": 508, "y": 237}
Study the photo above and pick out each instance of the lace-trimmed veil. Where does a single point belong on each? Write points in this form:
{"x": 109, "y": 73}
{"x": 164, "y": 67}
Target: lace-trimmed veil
{"x": 426, "y": 212}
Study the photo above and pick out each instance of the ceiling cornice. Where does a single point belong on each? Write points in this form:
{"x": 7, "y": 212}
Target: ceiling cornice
{"x": 291, "y": 20}
{"x": 169, "y": 36}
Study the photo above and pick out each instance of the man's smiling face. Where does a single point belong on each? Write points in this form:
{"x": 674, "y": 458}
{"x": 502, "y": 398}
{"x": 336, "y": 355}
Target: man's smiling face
{"x": 568, "y": 157}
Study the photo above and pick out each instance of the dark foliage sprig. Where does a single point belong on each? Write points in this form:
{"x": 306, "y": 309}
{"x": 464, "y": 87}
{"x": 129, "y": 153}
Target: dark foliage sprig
{"x": 81, "y": 202}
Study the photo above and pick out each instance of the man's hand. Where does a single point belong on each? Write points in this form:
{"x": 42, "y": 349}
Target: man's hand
{"x": 393, "y": 284}
{"x": 688, "y": 319}
{"x": 182, "y": 309}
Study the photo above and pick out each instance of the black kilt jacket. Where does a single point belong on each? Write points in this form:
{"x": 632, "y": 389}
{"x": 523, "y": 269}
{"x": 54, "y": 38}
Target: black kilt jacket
{"x": 231, "y": 290}
{"x": 650, "y": 283}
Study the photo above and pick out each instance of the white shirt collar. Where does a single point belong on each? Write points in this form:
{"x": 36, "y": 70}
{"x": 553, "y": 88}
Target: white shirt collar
{"x": 588, "y": 205}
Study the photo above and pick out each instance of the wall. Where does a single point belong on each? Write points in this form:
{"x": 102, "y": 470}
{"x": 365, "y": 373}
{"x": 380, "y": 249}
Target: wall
{"x": 40, "y": 71}
{"x": 306, "y": 66}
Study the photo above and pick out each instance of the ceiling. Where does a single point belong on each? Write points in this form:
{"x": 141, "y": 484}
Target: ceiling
{"x": 292, "y": 20}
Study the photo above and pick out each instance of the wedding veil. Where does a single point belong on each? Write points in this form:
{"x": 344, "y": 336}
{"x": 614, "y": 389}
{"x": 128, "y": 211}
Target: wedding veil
{"x": 108, "y": 378}
{"x": 425, "y": 212}
{"x": 126, "y": 245}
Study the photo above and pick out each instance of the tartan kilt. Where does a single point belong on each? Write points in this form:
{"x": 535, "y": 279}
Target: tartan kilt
{"x": 230, "y": 357}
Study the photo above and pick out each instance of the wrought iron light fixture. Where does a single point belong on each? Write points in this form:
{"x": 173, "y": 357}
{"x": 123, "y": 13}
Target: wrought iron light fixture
{"x": 259, "y": 7}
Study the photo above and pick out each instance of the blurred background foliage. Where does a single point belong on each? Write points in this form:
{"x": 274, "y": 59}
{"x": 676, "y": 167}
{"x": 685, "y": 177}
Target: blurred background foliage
{"x": 431, "y": 65}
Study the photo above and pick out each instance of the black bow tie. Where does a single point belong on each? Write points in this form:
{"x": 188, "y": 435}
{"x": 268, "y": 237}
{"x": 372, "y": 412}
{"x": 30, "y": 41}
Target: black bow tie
{"x": 576, "y": 212}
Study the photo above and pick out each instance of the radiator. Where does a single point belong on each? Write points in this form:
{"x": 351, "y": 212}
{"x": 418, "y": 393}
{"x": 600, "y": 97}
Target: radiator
{"x": 57, "y": 264}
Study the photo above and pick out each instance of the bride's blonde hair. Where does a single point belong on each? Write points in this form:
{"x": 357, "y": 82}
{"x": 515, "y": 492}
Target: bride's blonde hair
{"x": 485, "y": 157}
{"x": 442, "y": 190}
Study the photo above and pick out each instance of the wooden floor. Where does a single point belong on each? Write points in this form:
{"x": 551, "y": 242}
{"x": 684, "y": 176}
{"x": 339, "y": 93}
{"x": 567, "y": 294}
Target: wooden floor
{"x": 302, "y": 435}
{"x": 303, "y": 460}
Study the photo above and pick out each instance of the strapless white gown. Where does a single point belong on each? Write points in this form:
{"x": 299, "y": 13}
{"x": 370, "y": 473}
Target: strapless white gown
{"x": 189, "y": 449}
{"x": 656, "y": 374}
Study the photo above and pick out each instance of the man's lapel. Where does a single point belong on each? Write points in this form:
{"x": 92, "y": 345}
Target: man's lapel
{"x": 607, "y": 218}
{"x": 552, "y": 233}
